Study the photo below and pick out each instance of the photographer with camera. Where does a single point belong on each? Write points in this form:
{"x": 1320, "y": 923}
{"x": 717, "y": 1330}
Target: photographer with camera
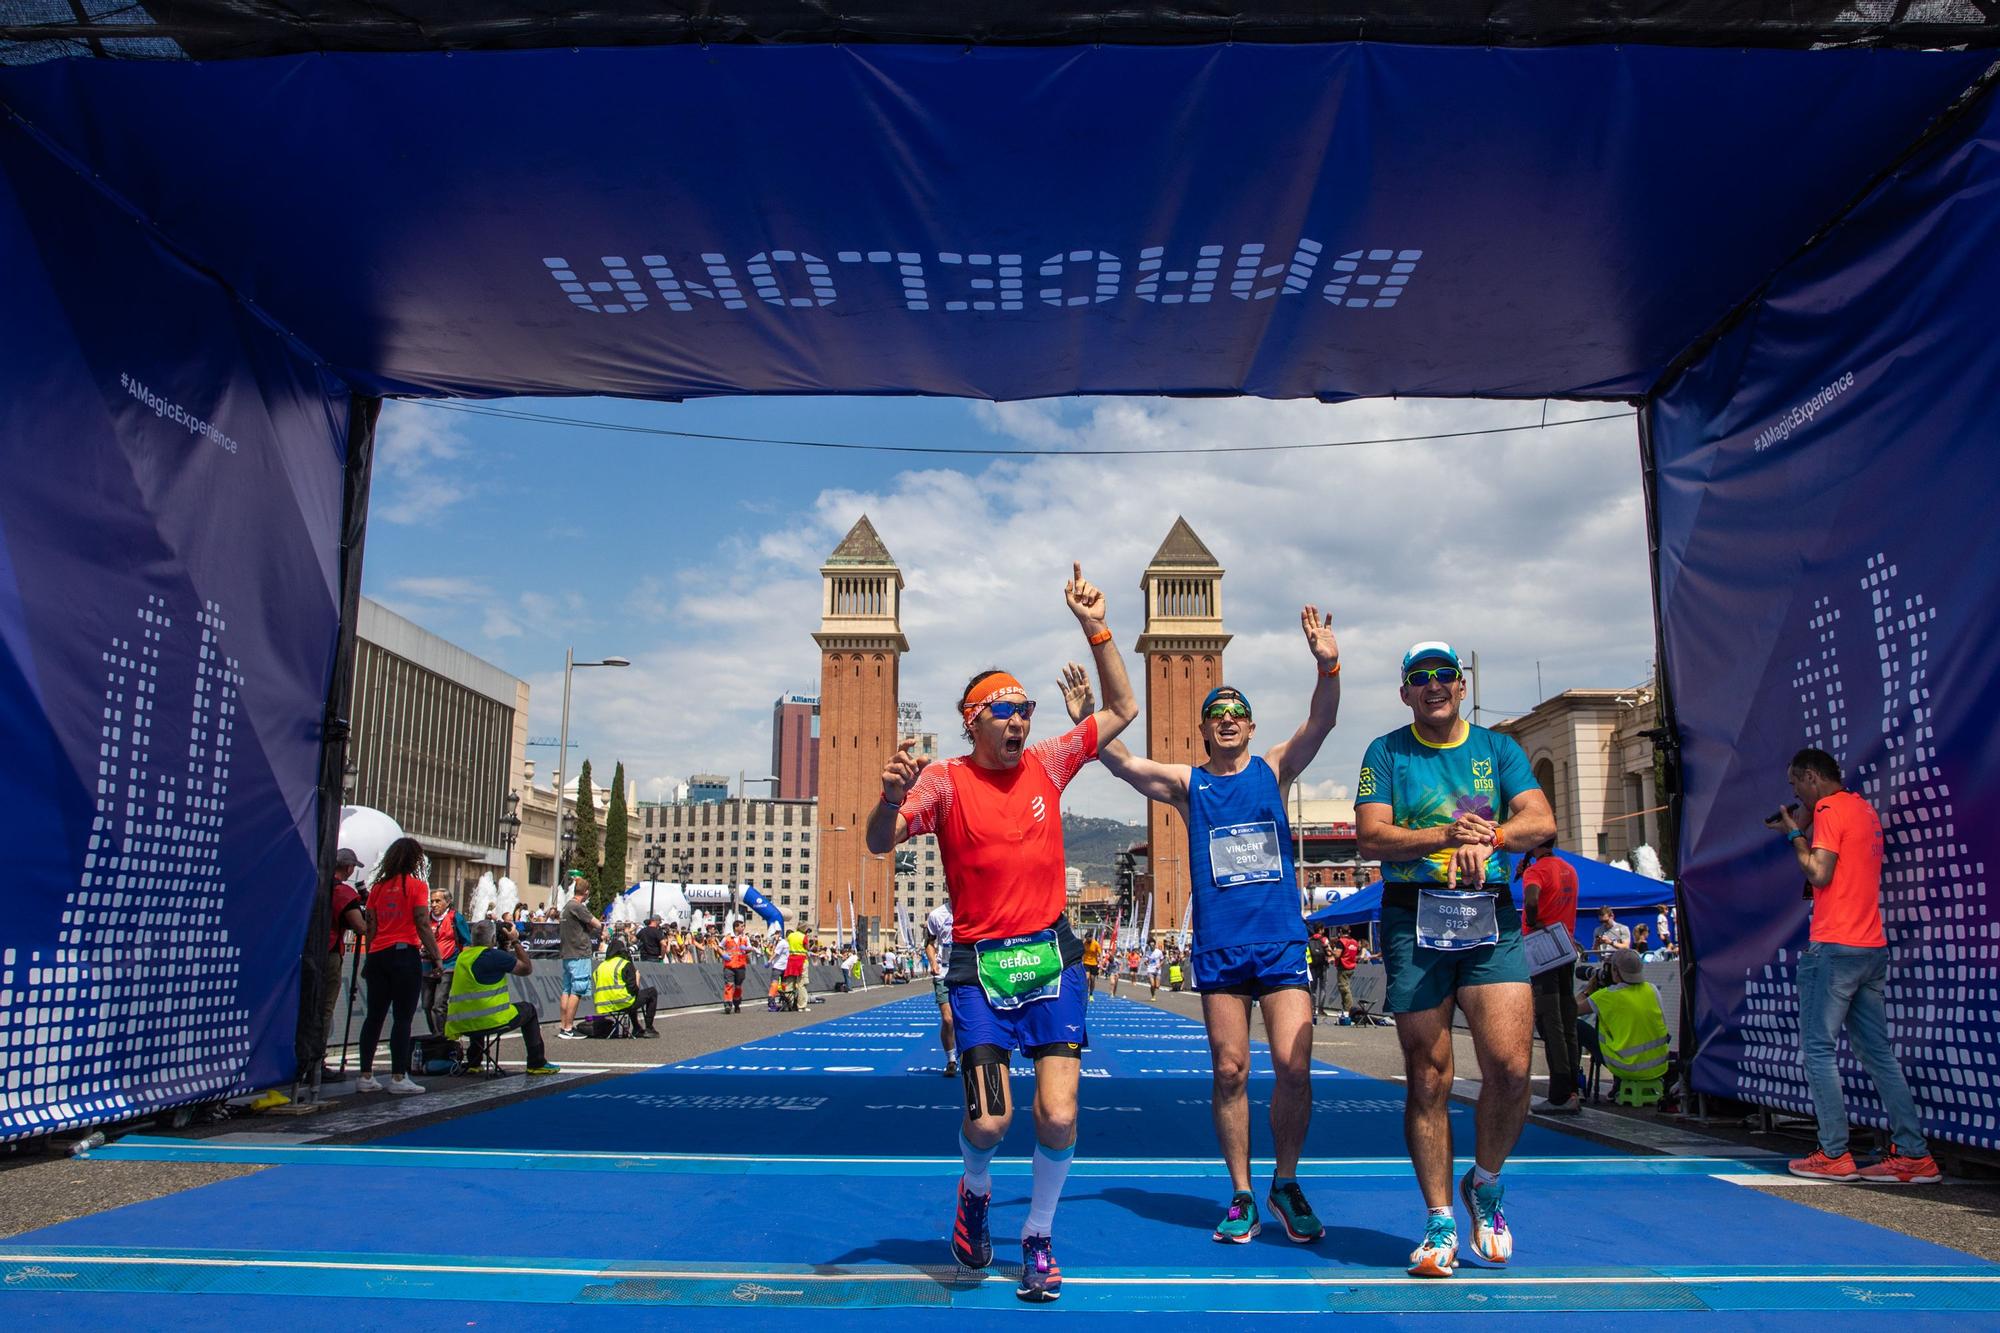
{"x": 479, "y": 1005}
{"x": 1841, "y": 973}
{"x": 1631, "y": 1028}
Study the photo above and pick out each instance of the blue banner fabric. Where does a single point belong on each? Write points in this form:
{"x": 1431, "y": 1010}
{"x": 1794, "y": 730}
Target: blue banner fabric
{"x": 1827, "y": 575}
{"x": 168, "y": 621}
{"x": 998, "y": 222}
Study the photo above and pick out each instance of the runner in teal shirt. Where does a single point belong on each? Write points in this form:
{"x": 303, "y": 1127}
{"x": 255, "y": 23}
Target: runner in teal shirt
{"x": 1429, "y": 786}
{"x": 1437, "y": 803}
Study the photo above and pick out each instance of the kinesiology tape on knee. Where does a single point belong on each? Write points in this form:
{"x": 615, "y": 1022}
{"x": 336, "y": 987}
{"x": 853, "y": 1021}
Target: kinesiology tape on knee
{"x": 996, "y": 1087}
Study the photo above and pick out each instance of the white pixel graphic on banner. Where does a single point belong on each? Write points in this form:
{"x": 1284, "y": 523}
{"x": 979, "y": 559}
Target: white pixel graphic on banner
{"x": 1944, "y": 943}
{"x": 139, "y": 1005}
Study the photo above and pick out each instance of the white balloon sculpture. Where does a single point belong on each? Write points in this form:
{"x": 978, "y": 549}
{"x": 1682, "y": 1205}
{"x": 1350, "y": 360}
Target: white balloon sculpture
{"x": 367, "y": 833}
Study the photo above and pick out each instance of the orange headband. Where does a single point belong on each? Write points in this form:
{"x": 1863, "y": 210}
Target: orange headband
{"x": 993, "y": 687}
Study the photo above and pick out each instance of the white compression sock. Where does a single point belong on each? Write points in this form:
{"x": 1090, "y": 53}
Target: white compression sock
{"x": 1051, "y": 1169}
{"x": 977, "y": 1160}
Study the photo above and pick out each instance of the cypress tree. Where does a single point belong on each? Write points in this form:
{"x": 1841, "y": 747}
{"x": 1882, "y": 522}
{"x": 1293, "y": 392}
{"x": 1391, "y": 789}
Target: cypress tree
{"x": 611, "y": 877}
{"x": 584, "y": 855}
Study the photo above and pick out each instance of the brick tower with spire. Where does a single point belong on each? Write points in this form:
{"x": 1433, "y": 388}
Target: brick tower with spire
{"x": 861, "y": 649}
{"x": 1182, "y": 645}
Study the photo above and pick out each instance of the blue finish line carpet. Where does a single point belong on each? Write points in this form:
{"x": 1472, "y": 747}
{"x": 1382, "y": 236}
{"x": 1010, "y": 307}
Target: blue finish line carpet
{"x": 813, "y": 1172}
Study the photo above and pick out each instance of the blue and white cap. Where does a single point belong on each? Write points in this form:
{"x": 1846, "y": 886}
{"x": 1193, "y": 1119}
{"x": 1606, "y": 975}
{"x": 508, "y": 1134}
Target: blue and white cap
{"x": 1431, "y": 648}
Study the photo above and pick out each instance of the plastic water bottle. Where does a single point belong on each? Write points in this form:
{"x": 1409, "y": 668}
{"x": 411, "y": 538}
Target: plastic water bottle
{"x": 95, "y": 1139}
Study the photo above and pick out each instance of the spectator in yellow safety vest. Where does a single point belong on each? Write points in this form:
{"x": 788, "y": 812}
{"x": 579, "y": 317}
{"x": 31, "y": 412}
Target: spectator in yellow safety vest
{"x": 618, "y": 990}
{"x": 1631, "y": 1028}
{"x": 480, "y": 1006}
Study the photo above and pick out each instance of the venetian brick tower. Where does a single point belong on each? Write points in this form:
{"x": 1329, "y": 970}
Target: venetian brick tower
{"x": 861, "y": 650}
{"x": 1182, "y": 645}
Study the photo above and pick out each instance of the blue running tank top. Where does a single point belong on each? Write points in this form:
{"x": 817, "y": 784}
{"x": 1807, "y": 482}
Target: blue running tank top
{"x": 1240, "y": 860}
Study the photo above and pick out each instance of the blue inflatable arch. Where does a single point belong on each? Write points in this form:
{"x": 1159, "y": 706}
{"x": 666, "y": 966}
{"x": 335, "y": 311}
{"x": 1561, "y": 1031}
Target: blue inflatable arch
{"x": 231, "y": 229}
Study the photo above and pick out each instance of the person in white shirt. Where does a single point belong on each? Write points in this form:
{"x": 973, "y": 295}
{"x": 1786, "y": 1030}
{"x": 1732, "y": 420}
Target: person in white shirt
{"x": 937, "y": 952}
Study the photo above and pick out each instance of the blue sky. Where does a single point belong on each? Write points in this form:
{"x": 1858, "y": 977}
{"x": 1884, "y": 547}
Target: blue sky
{"x": 699, "y": 560}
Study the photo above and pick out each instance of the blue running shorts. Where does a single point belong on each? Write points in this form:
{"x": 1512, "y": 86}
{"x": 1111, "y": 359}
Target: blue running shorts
{"x": 1047, "y": 1027}
{"x": 1254, "y": 970}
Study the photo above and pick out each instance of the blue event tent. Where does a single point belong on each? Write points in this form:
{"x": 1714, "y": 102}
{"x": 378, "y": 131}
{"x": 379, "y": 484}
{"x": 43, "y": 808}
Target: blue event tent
{"x": 232, "y": 228}
{"x": 1597, "y": 885}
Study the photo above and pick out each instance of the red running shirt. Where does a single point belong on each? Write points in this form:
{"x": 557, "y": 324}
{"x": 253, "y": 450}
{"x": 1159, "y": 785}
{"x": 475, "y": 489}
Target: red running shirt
{"x": 1000, "y": 834}
{"x": 1555, "y": 897}
{"x": 394, "y": 903}
{"x": 1849, "y": 909}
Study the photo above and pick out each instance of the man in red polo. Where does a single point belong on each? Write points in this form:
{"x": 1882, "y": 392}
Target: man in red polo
{"x": 1548, "y": 896}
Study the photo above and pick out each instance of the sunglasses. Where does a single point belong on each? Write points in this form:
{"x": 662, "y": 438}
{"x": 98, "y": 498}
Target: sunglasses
{"x": 1006, "y": 708}
{"x": 1425, "y": 675}
{"x": 1227, "y": 709}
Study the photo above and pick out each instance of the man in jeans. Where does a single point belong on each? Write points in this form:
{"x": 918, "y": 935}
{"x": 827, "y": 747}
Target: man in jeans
{"x": 579, "y": 946}
{"x": 1548, "y": 895}
{"x": 1840, "y": 974}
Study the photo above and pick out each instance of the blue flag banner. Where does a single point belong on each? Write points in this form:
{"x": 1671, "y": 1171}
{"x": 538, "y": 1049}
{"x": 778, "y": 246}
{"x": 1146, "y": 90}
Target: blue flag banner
{"x": 1826, "y": 577}
{"x": 997, "y": 222}
{"x": 168, "y": 620}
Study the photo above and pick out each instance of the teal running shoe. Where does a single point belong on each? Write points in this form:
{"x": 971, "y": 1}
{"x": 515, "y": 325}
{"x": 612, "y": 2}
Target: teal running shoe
{"x": 1240, "y": 1223}
{"x": 1288, "y": 1201}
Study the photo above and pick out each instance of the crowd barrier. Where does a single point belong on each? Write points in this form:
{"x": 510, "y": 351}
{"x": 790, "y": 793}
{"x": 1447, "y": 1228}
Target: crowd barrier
{"x": 681, "y": 986}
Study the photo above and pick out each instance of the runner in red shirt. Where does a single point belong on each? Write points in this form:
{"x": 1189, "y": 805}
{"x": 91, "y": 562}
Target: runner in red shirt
{"x": 1015, "y": 975}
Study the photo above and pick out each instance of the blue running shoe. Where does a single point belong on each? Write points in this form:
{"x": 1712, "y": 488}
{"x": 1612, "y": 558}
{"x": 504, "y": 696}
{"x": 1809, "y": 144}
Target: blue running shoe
{"x": 1041, "y": 1280}
{"x": 971, "y": 1243}
{"x": 1437, "y": 1256}
{"x": 1239, "y": 1225}
{"x": 1492, "y": 1242}
{"x": 1288, "y": 1201}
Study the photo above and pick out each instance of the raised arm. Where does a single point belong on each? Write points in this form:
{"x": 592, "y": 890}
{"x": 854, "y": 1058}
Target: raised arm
{"x": 1121, "y": 705}
{"x": 886, "y": 825}
{"x": 1155, "y": 782}
{"x": 1292, "y": 757}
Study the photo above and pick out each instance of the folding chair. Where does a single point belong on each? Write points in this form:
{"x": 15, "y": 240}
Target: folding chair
{"x": 1586, "y": 1041}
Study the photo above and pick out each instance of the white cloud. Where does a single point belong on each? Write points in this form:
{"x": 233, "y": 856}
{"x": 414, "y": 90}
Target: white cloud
{"x": 1521, "y": 547}
{"x": 417, "y": 449}
{"x": 1525, "y": 547}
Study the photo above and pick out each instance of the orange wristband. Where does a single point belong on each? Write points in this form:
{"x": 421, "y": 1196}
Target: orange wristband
{"x": 1102, "y": 636}
{"x": 1499, "y": 838}
{"x": 1333, "y": 670}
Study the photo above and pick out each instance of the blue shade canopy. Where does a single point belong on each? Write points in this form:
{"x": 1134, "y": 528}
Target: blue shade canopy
{"x": 1597, "y": 885}
{"x": 1323, "y": 220}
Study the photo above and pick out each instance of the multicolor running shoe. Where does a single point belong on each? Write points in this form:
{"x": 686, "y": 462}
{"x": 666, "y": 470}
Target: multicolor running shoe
{"x": 1288, "y": 1201}
{"x": 1041, "y": 1280}
{"x": 1239, "y": 1224}
{"x": 971, "y": 1242}
{"x": 1492, "y": 1242}
{"x": 1437, "y": 1256}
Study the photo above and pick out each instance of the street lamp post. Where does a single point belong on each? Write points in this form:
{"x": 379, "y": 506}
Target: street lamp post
{"x": 655, "y": 867}
{"x": 564, "y": 836}
{"x": 510, "y": 832}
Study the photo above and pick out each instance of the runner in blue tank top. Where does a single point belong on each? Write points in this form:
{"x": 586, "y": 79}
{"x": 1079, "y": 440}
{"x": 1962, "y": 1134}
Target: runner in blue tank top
{"x": 1249, "y": 934}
